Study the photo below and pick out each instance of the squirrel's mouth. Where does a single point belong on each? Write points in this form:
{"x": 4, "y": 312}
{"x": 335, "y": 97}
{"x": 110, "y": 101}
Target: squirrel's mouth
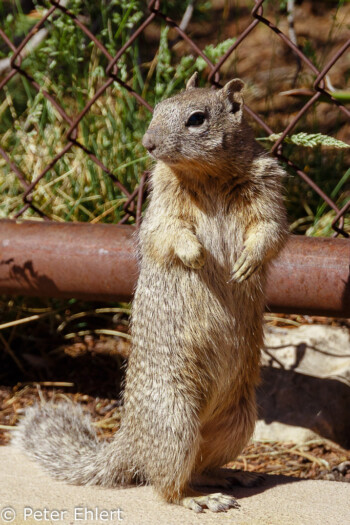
{"x": 157, "y": 149}
{"x": 164, "y": 157}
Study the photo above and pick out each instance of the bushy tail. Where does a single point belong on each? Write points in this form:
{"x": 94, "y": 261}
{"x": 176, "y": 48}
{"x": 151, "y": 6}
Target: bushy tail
{"x": 62, "y": 439}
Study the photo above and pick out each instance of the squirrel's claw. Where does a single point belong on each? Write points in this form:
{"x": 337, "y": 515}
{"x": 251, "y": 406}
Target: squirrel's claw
{"x": 244, "y": 267}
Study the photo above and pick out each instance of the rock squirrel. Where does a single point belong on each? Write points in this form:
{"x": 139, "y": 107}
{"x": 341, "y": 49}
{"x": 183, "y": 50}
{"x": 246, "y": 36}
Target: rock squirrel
{"x": 214, "y": 220}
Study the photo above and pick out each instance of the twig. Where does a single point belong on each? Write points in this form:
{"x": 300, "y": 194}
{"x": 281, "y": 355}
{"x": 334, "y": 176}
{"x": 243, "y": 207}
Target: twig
{"x": 46, "y": 383}
{"x": 11, "y": 353}
{"x": 187, "y": 15}
{"x": 184, "y": 22}
{"x": 283, "y": 320}
{"x": 98, "y": 331}
{"x": 97, "y": 311}
{"x": 274, "y": 358}
{"x": 293, "y": 36}
{"x": 25, "y": 320}
{"x": 313, "y": 459}
{"x": 34, "y": 42}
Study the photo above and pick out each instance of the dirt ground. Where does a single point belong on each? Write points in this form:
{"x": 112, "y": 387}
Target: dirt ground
{"x": 90, "y": 370}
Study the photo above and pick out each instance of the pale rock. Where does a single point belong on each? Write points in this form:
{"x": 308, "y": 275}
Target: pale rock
{"x": 305, "y": 388}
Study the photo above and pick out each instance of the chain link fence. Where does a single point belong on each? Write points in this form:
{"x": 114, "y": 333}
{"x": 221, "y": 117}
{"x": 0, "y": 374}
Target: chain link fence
{"x": 156, "y": 12}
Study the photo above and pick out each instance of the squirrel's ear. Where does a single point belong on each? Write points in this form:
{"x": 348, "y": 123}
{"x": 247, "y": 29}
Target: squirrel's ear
{"x": 192, "y": 82}
{"x": 232, "y": 92}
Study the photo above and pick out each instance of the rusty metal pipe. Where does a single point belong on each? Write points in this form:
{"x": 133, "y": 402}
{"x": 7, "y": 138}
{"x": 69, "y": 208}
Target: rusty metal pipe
{"x": 85, "y": 261}
{"x": 311, "y": 276}
{"x": 98, "y": 262}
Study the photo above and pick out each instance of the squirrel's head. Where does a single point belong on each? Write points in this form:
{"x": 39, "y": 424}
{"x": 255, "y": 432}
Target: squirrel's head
{"x": 198, "y": 126}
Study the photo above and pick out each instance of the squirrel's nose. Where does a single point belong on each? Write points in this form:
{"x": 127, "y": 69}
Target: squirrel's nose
{"x": 149, "y": 140}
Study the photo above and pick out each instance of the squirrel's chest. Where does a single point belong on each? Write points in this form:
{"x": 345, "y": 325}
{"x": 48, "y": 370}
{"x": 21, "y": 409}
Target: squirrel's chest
{"x": 222, "y": 236}
{"x": 220, "y": 223}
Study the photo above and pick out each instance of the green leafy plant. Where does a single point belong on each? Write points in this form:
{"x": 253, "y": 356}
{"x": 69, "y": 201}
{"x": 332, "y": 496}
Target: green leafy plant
{"x": 309, "y": 140}
{"x": 71, "y": 69}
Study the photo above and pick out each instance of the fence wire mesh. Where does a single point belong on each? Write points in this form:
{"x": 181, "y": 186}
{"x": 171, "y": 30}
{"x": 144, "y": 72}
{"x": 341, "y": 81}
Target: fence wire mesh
{"x": 319, "y": 90}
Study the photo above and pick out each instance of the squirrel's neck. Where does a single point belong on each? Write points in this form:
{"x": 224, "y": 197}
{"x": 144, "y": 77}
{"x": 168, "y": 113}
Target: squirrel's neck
{"x": 204, "y": 190}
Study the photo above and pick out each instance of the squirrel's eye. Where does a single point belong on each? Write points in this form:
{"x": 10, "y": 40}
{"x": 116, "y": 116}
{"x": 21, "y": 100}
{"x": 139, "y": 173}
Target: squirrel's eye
{"x": 196, "y": 119}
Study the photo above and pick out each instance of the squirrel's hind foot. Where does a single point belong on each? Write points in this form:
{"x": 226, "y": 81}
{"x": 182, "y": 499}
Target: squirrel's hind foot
{"x": 247, "y": 479}
{"x": 226, "y": 478}
{"x": 244, "y": 478}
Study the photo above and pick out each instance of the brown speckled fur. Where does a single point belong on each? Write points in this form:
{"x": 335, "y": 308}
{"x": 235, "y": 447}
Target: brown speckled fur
{"x": 215, "y": 218}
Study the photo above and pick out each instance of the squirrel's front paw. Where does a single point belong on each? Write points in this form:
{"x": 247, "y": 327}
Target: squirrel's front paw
{"x": 191, "y": 253}
{"x": 245, "y": 266}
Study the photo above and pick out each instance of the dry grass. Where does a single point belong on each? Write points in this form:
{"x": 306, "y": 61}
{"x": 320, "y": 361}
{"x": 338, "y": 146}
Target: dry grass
{"x": 317, "y": 459}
